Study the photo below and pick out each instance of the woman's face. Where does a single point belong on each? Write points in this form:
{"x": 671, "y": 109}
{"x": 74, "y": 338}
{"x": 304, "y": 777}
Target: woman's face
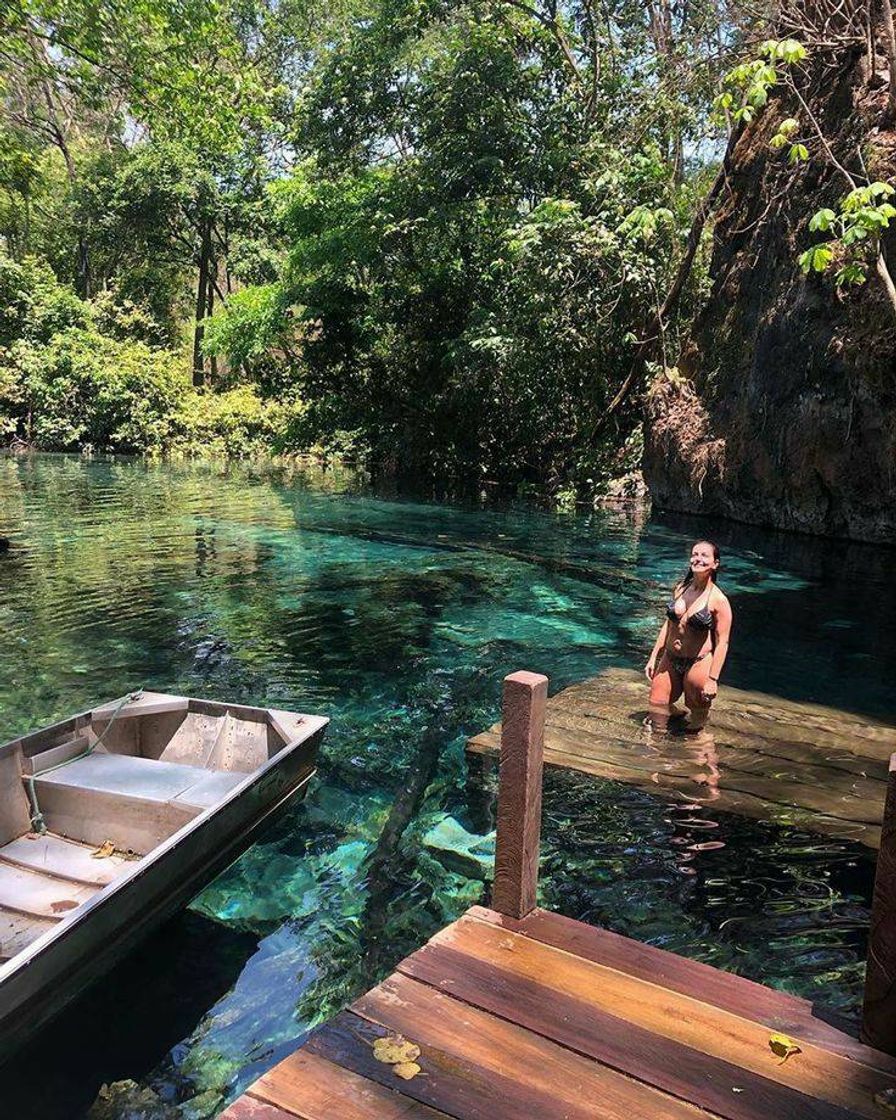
{"x": 703, "y": 560}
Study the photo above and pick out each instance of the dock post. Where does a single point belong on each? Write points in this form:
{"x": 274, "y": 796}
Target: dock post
{"x": 519, "y": 794}
{"x": 879, "y": 1008}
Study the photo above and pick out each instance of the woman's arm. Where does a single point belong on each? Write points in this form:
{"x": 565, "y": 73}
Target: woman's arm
{"x": 658, "y": 645}
{"x": 720, "y": 646}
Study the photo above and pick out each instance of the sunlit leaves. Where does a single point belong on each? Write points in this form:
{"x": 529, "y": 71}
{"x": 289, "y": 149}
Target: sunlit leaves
{"x": 746, "y": 87}
{"x": 855, "y": 233}
{"x": 816, "y": 259}
{"x": 822, "y": 220}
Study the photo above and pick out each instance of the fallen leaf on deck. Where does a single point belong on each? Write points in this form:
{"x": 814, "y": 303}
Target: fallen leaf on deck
{"x": 104, "y": 850}
{"x": 406, "y": 1070}
{"x": 886, "y": 1098}
{"x": 783, "y": 1046}
{"x": 395, "y": 1051}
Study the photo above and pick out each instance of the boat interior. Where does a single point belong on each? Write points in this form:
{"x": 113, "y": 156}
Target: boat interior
{"x": 110, "y": 786}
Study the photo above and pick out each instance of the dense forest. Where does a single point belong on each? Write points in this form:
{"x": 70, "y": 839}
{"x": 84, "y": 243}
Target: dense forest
{"x": 458, "y": 239}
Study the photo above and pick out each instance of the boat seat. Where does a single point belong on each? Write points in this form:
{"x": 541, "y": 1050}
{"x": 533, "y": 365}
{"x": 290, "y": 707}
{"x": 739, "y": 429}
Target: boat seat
{"x": 135, "y": 802}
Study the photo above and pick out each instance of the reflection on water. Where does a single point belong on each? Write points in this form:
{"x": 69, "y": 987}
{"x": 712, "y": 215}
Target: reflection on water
{"x": 296, "y": 589}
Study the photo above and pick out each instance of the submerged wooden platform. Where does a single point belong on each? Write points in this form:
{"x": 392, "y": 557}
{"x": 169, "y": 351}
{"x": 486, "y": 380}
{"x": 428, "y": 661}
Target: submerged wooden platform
{"x": 796, "y": 764}
{"x": 545, "y": 1018}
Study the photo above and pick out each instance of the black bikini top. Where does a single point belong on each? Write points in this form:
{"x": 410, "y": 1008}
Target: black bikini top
{"x": 699, "y": 620}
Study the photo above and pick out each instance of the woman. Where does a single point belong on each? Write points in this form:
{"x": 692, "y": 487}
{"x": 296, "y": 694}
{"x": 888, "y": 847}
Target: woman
{"x": 692, "y": 645}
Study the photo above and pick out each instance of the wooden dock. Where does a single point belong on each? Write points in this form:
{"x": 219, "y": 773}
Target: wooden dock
{"x": 802, "y": 765}
{"x": 546, "y": 1018}
{"x": 515, "y": 1013}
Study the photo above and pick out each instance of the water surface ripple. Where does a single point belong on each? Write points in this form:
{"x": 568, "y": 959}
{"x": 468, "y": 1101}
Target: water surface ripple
{"x": 297, "y": 589}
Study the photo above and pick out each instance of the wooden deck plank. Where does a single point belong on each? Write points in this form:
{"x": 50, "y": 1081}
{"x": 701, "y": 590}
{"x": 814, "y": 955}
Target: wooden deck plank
{"x": 448, "y": 1082}
{"x": 546, "y": 1018}
{"x": 793, "y": 764}
{"x": 313, "y": 1088}
{"x": 251, "y": 1108}
{"x": 735, "y": 1039}
{"x": 776, "y": 1010}
{"x": 479, "y": 1066}
{"x": 713, "y": 1084}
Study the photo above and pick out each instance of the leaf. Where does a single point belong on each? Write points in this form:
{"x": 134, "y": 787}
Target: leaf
{"x": 790, "y": 51}
{"x": 406, "y": 1070}
{"x": 822, "y": 219}
{"x": 798, "y": 153}
{"x": 757, "y": 96}
{"x": 816, "y": 259}
{"x": 852, "y": 273}
{"x": 777, "y": 141}
{"x": 395, "y": 1051}
{"x": 788, "y": 127}
{"x": 106, "y": 849}
{"x": 783, "y": 1046}
{"x": 854, "y": 234}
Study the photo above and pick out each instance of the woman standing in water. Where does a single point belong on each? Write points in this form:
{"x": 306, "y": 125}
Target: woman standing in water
{"x": 692, "y": 645}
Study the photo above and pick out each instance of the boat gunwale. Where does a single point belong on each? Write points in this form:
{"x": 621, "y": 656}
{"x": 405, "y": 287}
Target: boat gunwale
{"x": 311, "y": 725}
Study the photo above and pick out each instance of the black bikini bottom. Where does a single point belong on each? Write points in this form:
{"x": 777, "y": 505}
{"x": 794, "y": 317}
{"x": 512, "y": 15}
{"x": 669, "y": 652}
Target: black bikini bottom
{"x": 682, "y": 664}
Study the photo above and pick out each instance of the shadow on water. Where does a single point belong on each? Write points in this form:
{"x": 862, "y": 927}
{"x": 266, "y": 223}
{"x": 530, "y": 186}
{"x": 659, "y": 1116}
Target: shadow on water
{"x": 125, "y": 1024}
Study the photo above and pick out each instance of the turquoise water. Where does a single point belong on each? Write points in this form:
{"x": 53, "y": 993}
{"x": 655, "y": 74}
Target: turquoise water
{"x": 298, "y": 589}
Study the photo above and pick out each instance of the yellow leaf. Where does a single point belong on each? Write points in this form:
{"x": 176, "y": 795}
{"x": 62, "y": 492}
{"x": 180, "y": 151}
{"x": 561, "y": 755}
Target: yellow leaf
{"x": 104, "y": 850}
{"x": 395, "y": 1051}
{"x": 406, "y": 1070}
{"x": 783, "y": 1046}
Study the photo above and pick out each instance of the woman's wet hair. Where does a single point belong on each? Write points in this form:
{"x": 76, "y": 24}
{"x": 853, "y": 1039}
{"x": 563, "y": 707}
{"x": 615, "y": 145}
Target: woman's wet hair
{"x": 716, "y": 555}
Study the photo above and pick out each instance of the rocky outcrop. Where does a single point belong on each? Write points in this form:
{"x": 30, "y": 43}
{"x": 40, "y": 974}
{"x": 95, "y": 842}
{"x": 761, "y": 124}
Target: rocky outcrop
{"x": 783, "y": 410}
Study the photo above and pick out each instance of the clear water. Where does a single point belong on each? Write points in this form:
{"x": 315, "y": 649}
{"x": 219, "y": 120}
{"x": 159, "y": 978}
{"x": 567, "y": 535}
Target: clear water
{"x": 296, "y": 588}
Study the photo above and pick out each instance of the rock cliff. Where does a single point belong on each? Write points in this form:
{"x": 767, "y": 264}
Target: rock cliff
{"x": 783, "y": 410}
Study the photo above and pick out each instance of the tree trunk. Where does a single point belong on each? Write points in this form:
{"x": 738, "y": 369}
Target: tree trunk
{"x": 53, "y": 123}
{"x": 212, "y": 360}
{"x": 202, "y": 302}
{"x": 890, "y": 45}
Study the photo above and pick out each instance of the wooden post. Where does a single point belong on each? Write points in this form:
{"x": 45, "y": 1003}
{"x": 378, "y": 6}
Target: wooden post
{"x": 519, "y": 794}
{"x": 879, "y": 1010}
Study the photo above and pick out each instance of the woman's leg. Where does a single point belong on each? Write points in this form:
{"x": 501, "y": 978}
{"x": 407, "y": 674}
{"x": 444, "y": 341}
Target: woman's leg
{"x": 695, "y": 678}
{"x": 665, "y": 689}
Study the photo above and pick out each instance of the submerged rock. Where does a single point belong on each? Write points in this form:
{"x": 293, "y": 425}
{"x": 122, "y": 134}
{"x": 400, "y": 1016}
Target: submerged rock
{"x": 458, "y": 850}
{"x": 126, "y": 1100}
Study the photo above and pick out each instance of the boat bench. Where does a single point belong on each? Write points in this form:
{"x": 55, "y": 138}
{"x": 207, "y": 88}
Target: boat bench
{"x": 134, "y": 802}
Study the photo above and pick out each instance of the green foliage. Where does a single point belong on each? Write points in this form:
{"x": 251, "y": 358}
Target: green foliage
{"x": 78, "y": 374}
{"x": 443, "y": 224}
{"x": 746, "y": 87}
{"x": 467, "y": 306}
{"x": 855, "y": 233}
{"x": 236, "y": 422}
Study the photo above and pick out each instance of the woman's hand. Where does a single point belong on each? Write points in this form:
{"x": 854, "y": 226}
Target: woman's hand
{"x": 650, "y": 668}
{"x": 710, "y": 690}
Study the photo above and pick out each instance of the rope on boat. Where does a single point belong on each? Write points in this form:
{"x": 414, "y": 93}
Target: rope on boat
{"x": 37, "y": 818}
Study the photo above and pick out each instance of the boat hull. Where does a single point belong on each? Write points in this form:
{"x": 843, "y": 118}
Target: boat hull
{"x": 38, "y": 984}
